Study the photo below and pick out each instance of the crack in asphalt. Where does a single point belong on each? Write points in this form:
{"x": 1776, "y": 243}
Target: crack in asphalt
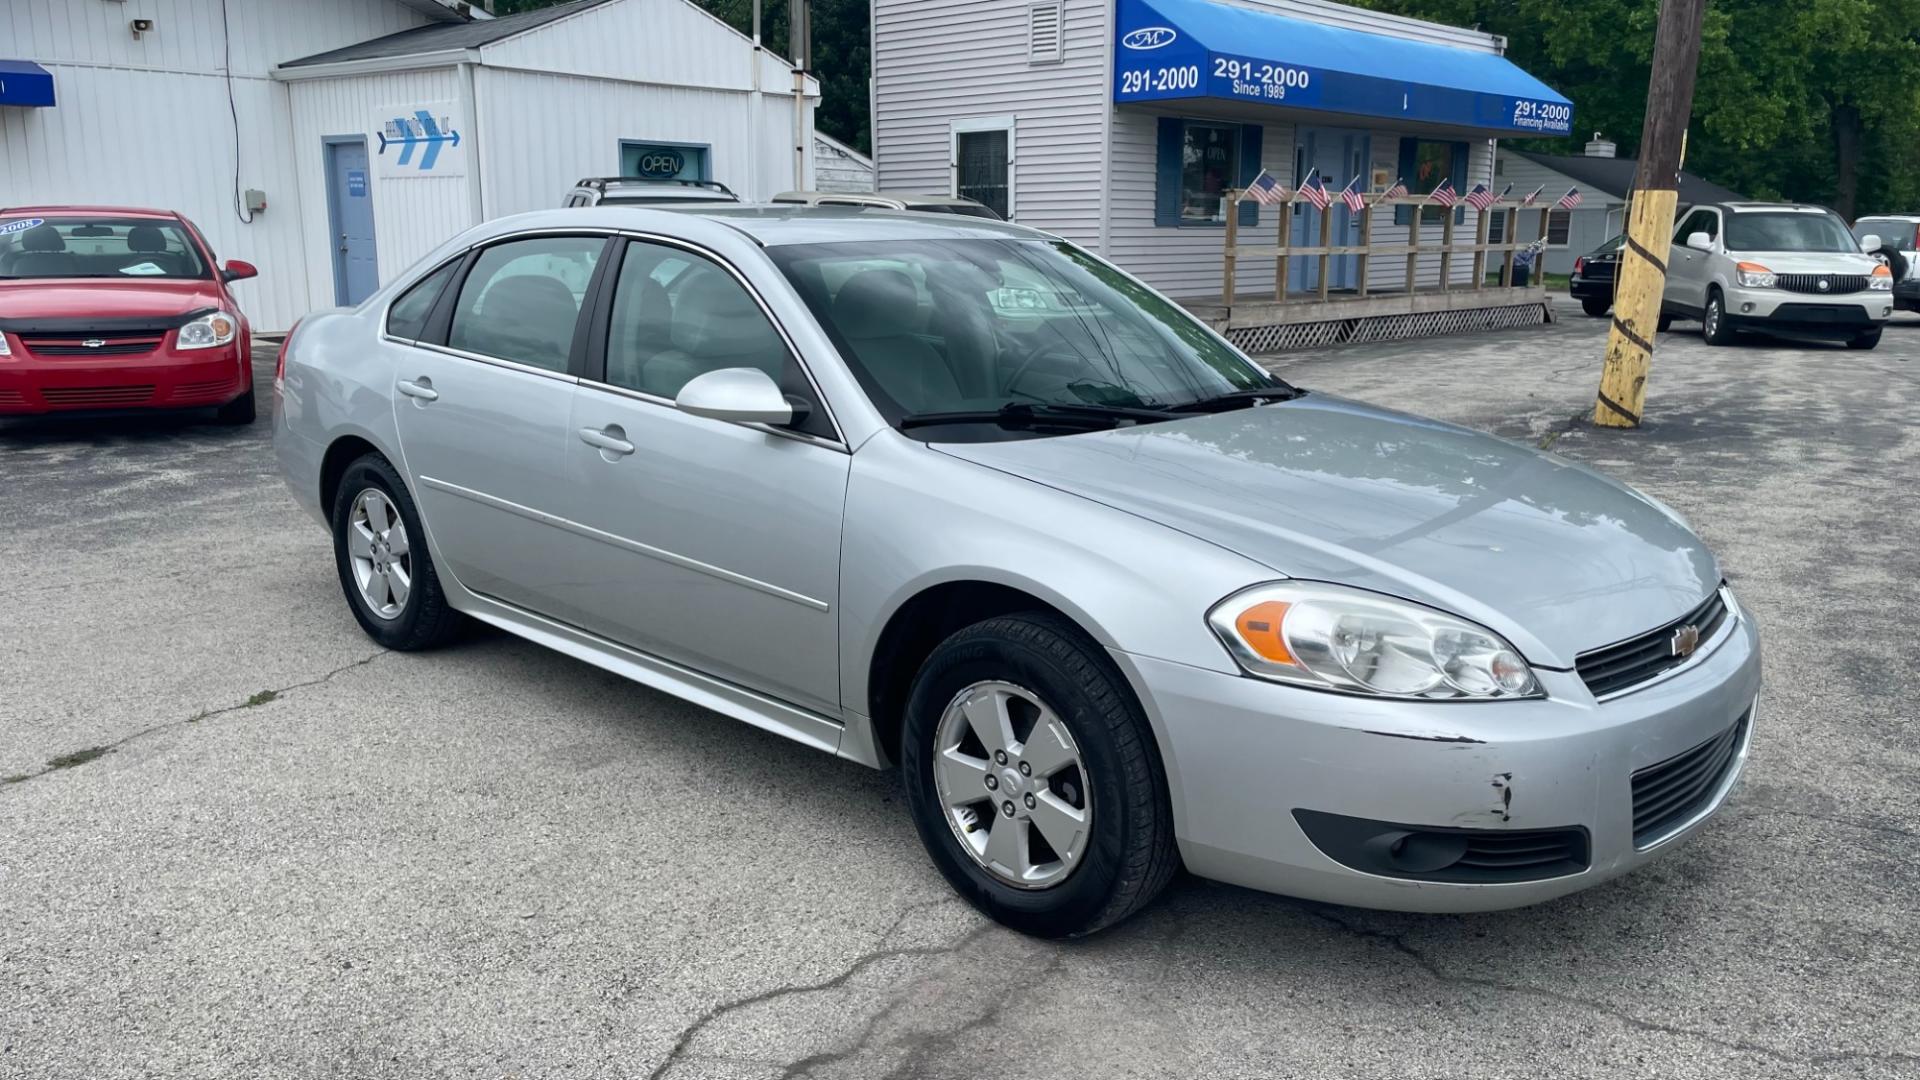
{"x": 684, "y": 1042}
{"x": 1851, "y": 823}
{"x": 80, "y": 757}
{"x": 931, "y": 1046}
{"x": 1433, "y": 970}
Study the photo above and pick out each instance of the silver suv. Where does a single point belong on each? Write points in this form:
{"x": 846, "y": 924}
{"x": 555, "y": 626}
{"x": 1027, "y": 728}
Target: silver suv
{"x": 1775, "y": 268}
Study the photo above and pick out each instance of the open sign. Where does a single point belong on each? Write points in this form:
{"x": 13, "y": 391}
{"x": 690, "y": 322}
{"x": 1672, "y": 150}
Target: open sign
{"x": 660, "y": 163}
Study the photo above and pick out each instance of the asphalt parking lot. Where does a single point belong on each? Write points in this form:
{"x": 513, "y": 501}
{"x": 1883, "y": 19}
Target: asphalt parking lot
{"x": 236, "y": 839}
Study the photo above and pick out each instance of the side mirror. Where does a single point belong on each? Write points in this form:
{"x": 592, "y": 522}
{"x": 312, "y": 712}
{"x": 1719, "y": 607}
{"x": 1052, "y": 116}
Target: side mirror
{"x": 235, "y": 270}
{"x": 1700, "y": 241}
{"x": 1870, "y": 242}
{"x": 742, "y": 395}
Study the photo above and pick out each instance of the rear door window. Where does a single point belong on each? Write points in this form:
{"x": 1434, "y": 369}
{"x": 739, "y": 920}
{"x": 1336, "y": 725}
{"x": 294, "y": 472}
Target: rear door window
{"x": 521, "y": 301}
{"x": 407, "y": 318}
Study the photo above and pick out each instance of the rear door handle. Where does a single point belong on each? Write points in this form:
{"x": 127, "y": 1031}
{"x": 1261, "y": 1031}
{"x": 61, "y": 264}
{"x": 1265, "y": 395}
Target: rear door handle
{"x": 611, "y": 439}
{"x": 421, "y": 388}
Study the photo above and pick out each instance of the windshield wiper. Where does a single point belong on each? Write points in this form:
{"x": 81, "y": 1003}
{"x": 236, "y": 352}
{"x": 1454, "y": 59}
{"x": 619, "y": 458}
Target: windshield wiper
{"x": 1040, "y": 413}
{"x": 1238, "y": 399}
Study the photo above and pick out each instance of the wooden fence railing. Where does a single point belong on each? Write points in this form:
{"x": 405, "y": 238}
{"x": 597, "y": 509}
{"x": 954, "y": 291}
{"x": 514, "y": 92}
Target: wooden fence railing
{"x": 1367, "y": 250}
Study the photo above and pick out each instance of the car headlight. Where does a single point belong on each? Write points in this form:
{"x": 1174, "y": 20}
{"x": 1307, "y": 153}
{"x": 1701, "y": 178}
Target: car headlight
{"x": 1881, "y": 280}
{"x": 6, "y": 350}
{"x": 209, "y": 331}
{"x": 1753, "y": 276}
{"x": 1336, "y": 638}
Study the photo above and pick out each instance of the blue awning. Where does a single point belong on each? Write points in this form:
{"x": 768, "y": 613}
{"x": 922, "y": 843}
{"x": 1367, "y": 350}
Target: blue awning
{"x": 1174, "y": 50}
{"x": 23, "y": 82}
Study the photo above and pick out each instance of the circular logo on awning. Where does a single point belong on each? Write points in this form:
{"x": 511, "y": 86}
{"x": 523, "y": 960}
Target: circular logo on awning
{"x": 661, "y": 163}
{"x": 1148, "y": 37}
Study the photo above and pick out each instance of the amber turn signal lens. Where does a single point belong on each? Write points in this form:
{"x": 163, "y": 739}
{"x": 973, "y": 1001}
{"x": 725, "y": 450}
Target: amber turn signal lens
{"x": 1259, "y": 627}
{"x": 1882, "y": 271}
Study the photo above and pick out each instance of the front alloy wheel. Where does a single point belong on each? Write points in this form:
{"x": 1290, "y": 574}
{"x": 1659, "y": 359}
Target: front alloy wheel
{"x": 1011, "y": 779}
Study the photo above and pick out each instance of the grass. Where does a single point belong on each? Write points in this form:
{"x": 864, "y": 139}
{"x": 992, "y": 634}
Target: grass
{"x": 1553, "y": 281}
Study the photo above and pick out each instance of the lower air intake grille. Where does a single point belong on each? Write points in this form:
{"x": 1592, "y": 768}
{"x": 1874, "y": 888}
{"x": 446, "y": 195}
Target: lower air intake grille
{"x": 102, "y": 396}
{"x": 1667, "y": 795}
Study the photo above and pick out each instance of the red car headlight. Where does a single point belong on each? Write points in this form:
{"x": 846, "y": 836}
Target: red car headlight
{"x": 209, "y": 331}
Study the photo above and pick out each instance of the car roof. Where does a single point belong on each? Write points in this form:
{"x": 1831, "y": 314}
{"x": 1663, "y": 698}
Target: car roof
{"x": 1773, "y": 207}
{"x": 117, "y": 211}
{"x": 787, "y": 223}
{"x": 1887, "y": 217}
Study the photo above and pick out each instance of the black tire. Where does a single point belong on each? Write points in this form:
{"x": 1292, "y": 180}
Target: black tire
{"x": 1596, "y": 306}
{"x": 1868, "y": 340}
{"x": 1713, "y": 320}
{"x": 425, "y": 619}
{"x": 238, "y": 411}
{"x": 1666, "y": 322}
{"x": 1130, "y": 856}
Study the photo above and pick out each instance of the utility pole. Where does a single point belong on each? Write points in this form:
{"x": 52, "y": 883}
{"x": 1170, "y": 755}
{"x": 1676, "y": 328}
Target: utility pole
{"x": 1643, "y": 264}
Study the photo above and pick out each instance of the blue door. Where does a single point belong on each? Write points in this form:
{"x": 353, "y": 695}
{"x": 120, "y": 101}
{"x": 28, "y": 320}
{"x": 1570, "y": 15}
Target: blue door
{"x": 1340, "y": 156}
{"x": 356, "y": 273}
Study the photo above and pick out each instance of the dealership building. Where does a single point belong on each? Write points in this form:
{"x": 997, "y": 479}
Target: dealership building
{"x": 1119, "y": 124}
{"x": 334, "y": 143}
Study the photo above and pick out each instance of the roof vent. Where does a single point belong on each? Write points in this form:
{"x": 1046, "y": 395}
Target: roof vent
{"x": 1599, "y": 147}
{"x": 1045, "y": 44}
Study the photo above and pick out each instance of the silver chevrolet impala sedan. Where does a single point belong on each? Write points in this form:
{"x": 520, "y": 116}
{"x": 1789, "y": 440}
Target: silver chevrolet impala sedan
{"x": 960, "y": 498}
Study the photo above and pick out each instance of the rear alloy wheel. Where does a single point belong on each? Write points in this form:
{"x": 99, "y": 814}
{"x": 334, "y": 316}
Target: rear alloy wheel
{"x": 1713, "y": 321}
{"x": 1034, "y": 779}
{"x": 385, "y": 568}
{"x": 1868, "y": 340}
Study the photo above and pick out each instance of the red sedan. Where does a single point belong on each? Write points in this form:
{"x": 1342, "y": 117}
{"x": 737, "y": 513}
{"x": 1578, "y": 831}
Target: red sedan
{"x": 103, "y": 308}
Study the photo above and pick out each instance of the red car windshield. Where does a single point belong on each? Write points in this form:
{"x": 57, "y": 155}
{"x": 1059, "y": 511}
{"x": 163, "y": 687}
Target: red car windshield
{"x": 97, "y": 247}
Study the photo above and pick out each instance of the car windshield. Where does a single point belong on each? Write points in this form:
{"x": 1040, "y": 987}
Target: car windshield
{"x": 97, "y": 247}
{"x": 1787, "y": 231}
{"x": 946, "y": 335}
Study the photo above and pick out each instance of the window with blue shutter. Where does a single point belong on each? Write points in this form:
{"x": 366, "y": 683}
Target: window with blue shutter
{"x": 1195, "y": 163}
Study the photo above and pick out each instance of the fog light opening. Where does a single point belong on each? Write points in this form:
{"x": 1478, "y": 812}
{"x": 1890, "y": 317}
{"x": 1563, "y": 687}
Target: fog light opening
{"x": 1746, "y": 308}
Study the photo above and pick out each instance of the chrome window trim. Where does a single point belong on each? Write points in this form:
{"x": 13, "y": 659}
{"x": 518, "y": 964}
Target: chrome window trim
{"x": 494, "y": 361}
{"x": 399, "y": 288}
{"x": 793, "y": 350}
{"x": 1707, "y": 648}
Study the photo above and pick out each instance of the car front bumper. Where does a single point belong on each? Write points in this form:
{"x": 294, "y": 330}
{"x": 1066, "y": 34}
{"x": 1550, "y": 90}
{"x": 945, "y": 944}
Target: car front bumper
{"x": 1243, "y": 755}
{"x": 1807, "y": 313}
{"x": 163, "y": 379}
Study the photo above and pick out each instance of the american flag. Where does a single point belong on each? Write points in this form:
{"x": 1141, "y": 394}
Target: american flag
{"x": 1444, "y": 194}
{"x": 1528, "y": 201}
{"x": 1568, "y": 201}
{"x": 1398, "y": 189}
{"x": 1480, "y": 197}
{"x": 1267, "y": 191}
{"x": 1352, "y": 196}
{"x": 1315, "y": 192}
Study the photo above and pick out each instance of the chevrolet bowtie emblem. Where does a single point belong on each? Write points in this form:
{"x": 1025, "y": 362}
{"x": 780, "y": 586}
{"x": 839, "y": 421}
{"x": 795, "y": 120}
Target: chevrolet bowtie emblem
{"x": 1685, "y": 640}
{"x": 93, "y": 343}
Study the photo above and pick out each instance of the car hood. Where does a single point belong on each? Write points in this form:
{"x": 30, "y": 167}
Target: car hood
{"x": 1808, "y": 262}
{"x": 107, "y": 298}
{"x": 1554, "y": 556}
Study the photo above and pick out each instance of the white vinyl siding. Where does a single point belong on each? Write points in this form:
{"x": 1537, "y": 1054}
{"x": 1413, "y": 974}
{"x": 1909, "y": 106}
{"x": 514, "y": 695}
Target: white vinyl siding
{"x": 1597, "y": 217}
{"x": 936, "y": 61}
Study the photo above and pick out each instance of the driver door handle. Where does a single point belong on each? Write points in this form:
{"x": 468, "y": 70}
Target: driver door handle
{"x": 612, "y": 439}
{"x": 421, "y": 388}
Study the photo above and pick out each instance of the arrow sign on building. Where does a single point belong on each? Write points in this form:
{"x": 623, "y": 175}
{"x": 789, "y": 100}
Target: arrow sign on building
{"x": 427, "y": 140}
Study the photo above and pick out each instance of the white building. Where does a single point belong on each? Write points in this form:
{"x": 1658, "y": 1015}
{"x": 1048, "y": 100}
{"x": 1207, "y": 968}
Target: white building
{"x": 1119, "y": 123}
{"x": 375, "y": 129}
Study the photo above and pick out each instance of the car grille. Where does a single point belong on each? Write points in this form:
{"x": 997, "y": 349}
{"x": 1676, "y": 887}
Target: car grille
{"x": 73, "y": 344}
{"x": 104, "y": 396}
{"x": 1836, "y": 284}
{"x": 1524, "y": 855}
{"x": 1667, "y": 795}
{"x": 199, "y": 390}
{"x": 12, "y": 397}
{"x": 1628, "y": 663}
